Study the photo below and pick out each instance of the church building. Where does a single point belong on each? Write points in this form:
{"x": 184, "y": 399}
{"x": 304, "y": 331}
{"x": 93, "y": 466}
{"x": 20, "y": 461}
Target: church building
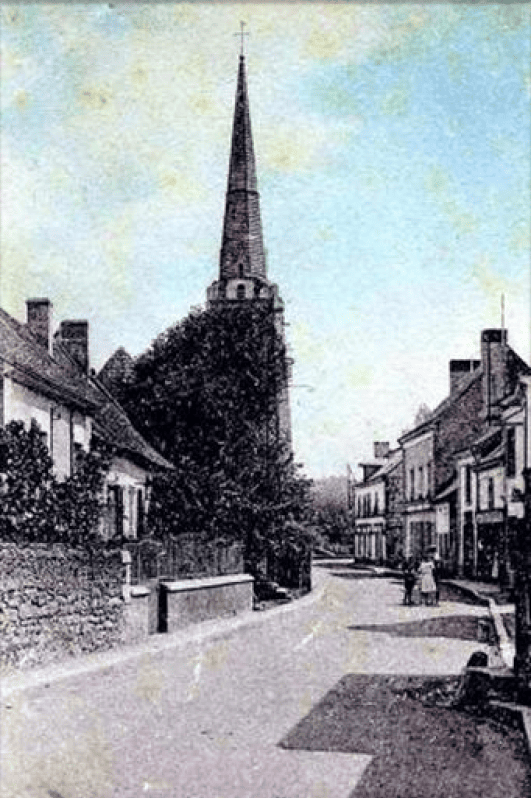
{"x": 242, "y": 262}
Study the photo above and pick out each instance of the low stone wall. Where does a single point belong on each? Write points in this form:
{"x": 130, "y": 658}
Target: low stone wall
{"x": 56, "y": 601}
{"x": 194, "y": 600}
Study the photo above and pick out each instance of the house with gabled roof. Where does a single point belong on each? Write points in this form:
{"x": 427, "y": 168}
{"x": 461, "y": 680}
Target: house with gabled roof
{"x": 47, "y": 379}
{"x": 377, "y": 506}
{"x": 34, "y": 386}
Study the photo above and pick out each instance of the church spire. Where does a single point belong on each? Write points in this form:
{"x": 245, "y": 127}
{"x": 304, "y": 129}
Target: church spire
{"x": 242, "y": 248}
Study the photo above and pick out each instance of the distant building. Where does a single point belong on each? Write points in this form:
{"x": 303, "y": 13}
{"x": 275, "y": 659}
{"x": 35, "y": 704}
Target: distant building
{"x": 377, "y": 507}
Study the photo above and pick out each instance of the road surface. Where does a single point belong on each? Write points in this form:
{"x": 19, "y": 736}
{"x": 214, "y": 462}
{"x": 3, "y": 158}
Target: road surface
{"x": 204, "y": 719}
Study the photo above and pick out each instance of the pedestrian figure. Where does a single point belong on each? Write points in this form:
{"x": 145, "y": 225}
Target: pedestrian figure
{"x": 427, "y": 582}
{"x": 409, "y": 582}
{"x": 436, "y": 571}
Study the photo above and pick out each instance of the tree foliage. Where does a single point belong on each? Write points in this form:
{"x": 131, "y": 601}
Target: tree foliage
{"x": 206, "y": 394}
{"x": 37, "y": 507}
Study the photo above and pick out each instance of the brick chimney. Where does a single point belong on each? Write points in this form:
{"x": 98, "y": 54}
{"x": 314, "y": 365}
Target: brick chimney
{"x": 39, "y": 321}
{"x": 493, "y": 361}
{"x": 381, "y": 450}
{"x": 73, "y": 335}
{"x": 458, "y": 369}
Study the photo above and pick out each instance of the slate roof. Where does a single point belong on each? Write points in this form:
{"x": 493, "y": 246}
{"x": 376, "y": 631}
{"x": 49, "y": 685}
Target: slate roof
{"x": 242, "y": 230}
{"x": 35, "y": 368}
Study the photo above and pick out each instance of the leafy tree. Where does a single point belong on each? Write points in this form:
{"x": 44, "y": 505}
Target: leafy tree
{"x": 206, "y": 394}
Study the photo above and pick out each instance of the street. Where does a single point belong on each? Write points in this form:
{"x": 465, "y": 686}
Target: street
{"x": 205, "y": 720}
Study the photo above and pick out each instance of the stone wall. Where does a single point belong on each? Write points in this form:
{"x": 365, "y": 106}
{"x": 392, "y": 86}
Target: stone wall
{"x": 56, "y": 602}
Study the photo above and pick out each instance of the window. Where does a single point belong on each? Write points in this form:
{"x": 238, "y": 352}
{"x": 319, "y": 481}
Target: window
{"x": 140, "y": 513}
{"x": 428, "y": 479}
{"x": 468, "y": 484}
{"x": 511, "y": 452}
{"x": 421, "y": 482}
{"x": 240, "y": 292}
{"x": 77, "y": 456}
{"x": 375, "y": 504}
{"x": 115, "y": 511}
{"x": 412, "y": 484}
{"x": 359, "y": 508}
{"x": 491, "y": 493}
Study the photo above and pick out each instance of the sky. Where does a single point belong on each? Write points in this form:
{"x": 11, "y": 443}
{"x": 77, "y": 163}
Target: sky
{"x": 392, "y": 145}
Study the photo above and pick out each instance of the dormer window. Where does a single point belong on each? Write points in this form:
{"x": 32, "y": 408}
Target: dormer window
{"x": 240, "y": 291}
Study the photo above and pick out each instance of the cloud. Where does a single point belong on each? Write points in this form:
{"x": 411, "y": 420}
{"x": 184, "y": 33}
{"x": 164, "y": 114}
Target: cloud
{"x": 440, "y": 184}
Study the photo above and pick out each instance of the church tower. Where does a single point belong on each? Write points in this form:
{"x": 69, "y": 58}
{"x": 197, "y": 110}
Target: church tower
{"x": 242, "y": 262}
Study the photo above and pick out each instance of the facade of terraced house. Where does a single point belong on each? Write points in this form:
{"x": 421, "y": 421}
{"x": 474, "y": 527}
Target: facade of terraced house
{"x": 455, "y": 492}
{"x": 377, "y": 507}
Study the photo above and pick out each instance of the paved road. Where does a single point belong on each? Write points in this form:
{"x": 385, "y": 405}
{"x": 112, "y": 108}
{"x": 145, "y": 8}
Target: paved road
{"x": 203, "y": 720}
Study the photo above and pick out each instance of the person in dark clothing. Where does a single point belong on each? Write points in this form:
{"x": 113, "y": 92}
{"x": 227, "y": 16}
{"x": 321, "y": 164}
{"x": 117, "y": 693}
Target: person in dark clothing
{"x": 409, "y": 582}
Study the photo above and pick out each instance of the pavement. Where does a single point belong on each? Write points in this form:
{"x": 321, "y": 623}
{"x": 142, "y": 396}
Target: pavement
{"x": 488, "y": 593}
{"x": 200, "y": 713}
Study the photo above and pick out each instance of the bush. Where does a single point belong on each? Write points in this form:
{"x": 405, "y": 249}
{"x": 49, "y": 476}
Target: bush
{"x": 35, "y": 506}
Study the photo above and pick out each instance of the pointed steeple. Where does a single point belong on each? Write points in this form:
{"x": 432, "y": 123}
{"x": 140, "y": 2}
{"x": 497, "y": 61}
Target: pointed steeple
{"x": 242, "y": 248}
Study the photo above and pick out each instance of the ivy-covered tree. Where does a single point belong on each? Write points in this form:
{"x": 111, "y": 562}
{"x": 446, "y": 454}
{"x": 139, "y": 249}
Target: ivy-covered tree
{"x": 207, "y": 395}
{"x": 27, "y": 484}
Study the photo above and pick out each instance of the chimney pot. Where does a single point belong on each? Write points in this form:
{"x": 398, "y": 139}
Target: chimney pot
{"x": 381, "y": 449}
{"x": 73, "y": 335}
{"x": 39, "y": 321}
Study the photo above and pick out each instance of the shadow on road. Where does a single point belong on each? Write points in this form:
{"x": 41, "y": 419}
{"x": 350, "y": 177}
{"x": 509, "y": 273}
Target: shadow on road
{"x": 460, "y": 627}
{"x": 420, "y": 750}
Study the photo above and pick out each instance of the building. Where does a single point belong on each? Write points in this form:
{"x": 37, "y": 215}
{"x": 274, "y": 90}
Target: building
{"x": 34, "y": 386}
{"x": 454, "y": 464}
{"x": 428, "y": 458}
{"x": 377, "y": 507}
{"x": 491, "y": 485}
{"x": 242, "y": 262}
{"x": 46, "y": 379}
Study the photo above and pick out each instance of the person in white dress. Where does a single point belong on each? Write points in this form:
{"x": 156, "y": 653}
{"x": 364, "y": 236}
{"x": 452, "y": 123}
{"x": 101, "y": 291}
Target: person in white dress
{"x": 428, "y": 587}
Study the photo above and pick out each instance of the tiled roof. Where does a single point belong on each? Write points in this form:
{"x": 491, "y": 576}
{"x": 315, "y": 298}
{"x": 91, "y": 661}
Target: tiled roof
{"x": 394, "y": 460}
{"x": 111, "y": 422}
{"x": 119, "y": 367}
{"x": 114, "y": 426}
{"x": 35, "y": 368}
{"x": 462, "y": 386}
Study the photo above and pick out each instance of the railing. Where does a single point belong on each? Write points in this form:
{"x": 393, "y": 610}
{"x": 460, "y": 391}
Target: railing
{"x": 182, "y": 557}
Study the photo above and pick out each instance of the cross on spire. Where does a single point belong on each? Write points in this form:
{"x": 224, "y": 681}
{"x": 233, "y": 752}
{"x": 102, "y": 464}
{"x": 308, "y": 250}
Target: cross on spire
{"x": 241, "y": 34}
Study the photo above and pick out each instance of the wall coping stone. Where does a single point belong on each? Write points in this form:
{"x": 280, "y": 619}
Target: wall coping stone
{"x": 138, "y": 591}
{"x": 184, "y": 585}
